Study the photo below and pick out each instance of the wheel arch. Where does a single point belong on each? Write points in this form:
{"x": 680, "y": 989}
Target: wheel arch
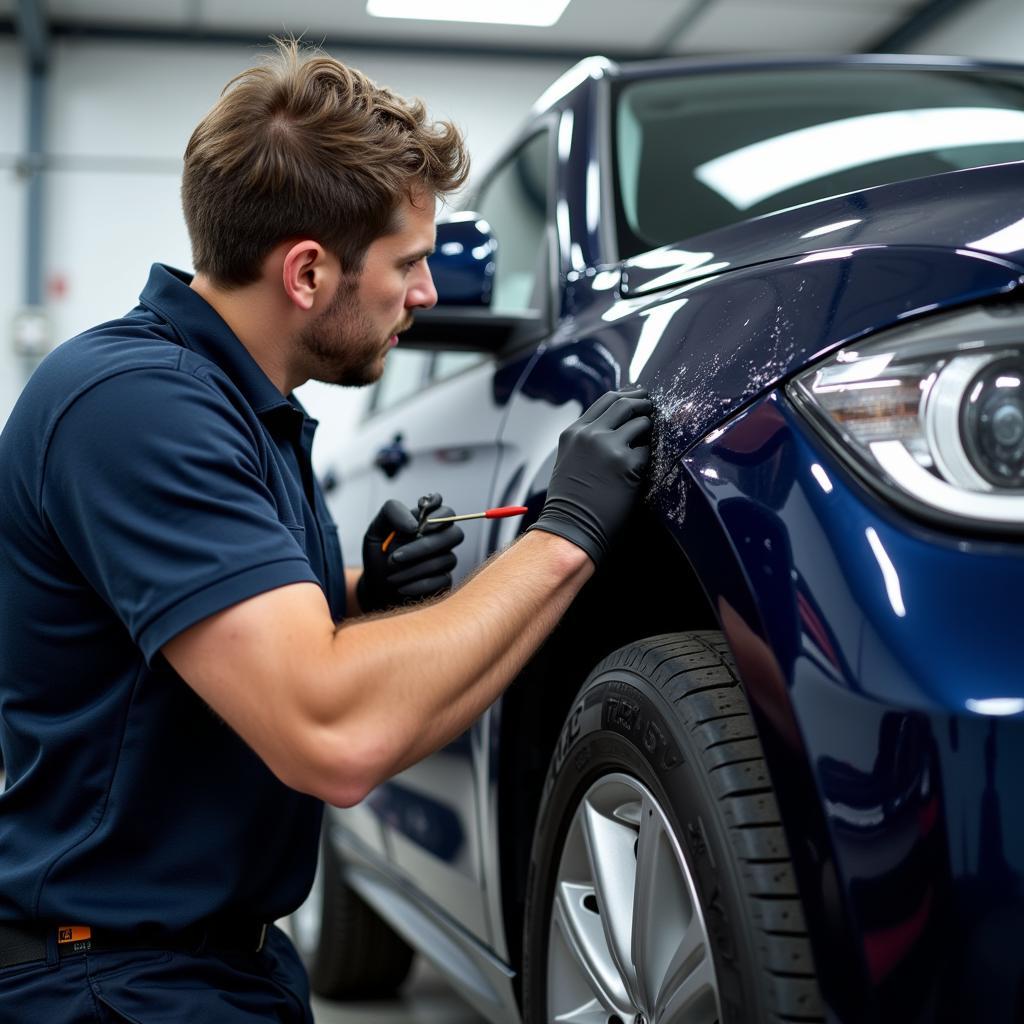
{"x": 624, "y": 602}
{"x": 652, "y": 585}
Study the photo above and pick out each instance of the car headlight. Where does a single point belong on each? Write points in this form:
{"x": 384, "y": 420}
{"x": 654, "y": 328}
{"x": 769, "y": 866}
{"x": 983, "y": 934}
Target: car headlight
{"x": 932, "y": 412}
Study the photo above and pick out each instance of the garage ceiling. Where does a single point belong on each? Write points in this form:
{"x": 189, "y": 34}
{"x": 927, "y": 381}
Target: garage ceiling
{"x": 618, "y": 28}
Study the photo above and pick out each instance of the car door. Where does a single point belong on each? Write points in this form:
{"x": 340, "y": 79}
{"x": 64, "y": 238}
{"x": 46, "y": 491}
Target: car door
{"x": 442, "y": 435}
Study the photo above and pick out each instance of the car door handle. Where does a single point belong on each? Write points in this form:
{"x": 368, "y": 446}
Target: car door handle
{"x": 392, "y": 458}
{"x": 454, "y": 454}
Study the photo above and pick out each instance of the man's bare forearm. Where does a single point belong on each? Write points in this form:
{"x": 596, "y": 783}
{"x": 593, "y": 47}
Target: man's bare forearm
{"x": 352, "y": 577}
{"x": 445, "y": 663}
{"x": 334, "y": 710}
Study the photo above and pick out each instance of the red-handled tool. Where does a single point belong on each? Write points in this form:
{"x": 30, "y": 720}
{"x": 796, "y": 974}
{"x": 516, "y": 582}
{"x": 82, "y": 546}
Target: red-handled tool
{"x": 492, "y": 513}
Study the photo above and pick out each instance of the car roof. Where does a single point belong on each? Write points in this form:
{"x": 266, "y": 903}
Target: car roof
{"x": 592, "y": 70}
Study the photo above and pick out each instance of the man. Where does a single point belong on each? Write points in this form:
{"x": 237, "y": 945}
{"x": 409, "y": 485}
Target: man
{"x": 186, "y": 671}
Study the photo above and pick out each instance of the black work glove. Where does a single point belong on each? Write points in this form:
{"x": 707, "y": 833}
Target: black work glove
{"x": 412, "y": 567}
{"x": 597, "y": 471}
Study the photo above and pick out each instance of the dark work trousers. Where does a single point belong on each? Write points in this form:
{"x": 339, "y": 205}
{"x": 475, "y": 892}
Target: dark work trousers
{"x": 160, "y": 987}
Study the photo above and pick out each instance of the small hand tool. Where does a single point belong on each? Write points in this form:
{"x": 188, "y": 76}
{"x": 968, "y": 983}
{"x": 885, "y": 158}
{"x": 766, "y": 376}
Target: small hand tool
{"x": 492, "y": 513}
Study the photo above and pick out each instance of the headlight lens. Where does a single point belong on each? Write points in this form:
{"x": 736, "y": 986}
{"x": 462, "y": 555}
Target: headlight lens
{"x": 933, "y": 412}
{"x": 992, "y": 423}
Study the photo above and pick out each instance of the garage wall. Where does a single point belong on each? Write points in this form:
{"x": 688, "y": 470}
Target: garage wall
{"x": 120, "y": 116}
{"x": 12, "y": 206}
{"x": 993, "y": 29}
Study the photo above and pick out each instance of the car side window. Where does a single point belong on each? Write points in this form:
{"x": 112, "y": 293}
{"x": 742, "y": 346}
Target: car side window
{"x": 515, "y": 204}
{"x": 408, "y": 371}
{"x": 405, "y": 373}
{"x": 448, "y": 364}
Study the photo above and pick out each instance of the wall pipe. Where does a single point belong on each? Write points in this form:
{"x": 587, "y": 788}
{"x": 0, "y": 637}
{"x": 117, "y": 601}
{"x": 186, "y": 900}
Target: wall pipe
{"x": 32, "y": 29}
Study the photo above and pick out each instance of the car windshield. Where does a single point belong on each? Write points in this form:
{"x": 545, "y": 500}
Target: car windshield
{"x": 695, "y": 152}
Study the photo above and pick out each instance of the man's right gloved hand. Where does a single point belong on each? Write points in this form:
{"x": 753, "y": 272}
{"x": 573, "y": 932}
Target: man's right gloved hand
{"x": 417, "y": 564}
{"x": 598, "y": 470}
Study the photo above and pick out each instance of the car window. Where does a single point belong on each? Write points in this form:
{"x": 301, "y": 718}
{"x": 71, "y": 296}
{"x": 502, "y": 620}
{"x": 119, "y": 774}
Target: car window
{"x": 405, "y": 373}
{"x": 408, "y": 371}
{"x": 694, "y": 153}
{"x": 448, "y": 364}
{"x": 515, "y": 204}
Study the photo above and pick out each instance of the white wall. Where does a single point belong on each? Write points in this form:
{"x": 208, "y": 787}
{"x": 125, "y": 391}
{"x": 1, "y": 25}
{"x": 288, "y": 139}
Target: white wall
{"x": 120, "y": 116}
{"x": 121, "y": 113}
{"x": 993, "y": 29}
{"x": 12, "y": 216}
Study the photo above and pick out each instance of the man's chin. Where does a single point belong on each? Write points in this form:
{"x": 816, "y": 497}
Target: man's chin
{"x": 361, "y": 378}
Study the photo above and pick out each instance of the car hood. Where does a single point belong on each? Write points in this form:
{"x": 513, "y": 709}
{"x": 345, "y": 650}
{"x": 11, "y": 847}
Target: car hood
{"x": 981, "y": 209}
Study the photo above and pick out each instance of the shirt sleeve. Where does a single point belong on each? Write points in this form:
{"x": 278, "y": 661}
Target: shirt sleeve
{"x": 152, "y": 484}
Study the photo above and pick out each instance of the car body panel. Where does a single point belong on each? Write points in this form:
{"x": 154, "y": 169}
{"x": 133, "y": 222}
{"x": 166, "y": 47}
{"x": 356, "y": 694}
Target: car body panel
{"x": 861, "y": 631}
{"x": 979, "y": 209}
{"x": 836, "y": 604}
{"x": 833, "y": 300}
{"x": 427, "y": 815}
{"x": 730, "y": 337}
{"x": 483, "y": 979}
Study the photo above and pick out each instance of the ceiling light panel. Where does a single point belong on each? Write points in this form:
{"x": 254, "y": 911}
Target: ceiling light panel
{"x": 536, "y": 13}
{"x": 791, "y": 26}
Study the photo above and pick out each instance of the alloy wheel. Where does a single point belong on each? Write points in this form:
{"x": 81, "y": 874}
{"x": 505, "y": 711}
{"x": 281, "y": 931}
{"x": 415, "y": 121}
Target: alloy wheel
{"x": 627, "y": 940}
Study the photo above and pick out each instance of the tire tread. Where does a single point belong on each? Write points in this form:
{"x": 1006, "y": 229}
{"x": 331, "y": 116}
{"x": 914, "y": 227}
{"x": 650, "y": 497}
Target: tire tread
{"x": 695, "y": 672}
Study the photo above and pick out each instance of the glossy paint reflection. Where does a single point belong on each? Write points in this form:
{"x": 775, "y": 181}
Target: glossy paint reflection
{"x": 985, "y": 217}
{"x": 873, "y": 649}
{"x": 425, "y": 820}
{"x": 463, "y": 262}
{"x": 914, "y": 788}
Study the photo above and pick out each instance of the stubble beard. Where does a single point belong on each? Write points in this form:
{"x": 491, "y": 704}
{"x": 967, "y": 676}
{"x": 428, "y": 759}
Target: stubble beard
{"x": 342, "y": 343}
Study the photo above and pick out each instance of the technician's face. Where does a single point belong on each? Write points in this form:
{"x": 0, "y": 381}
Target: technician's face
{"x": 348, "y": 343}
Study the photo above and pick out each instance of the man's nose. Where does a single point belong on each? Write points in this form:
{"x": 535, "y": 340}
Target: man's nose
{"x": 423, "y": 294}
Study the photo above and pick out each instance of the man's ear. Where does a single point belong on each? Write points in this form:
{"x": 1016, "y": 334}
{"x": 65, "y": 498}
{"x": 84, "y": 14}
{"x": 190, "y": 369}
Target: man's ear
{"x": 308, "y": 273}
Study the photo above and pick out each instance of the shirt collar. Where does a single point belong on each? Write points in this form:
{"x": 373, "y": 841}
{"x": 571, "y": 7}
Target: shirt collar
{"x": 200, "y": 328}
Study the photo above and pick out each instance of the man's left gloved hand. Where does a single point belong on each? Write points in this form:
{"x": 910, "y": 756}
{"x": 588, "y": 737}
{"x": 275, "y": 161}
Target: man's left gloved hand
{"x": 413, "y": 567}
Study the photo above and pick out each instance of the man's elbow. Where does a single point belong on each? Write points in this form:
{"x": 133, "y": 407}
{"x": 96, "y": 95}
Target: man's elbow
{"x": 338, "y": 769}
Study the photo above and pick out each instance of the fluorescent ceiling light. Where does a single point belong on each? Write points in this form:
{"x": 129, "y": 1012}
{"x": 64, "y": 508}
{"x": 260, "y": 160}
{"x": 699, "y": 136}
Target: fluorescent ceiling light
{"x": 755, "y": 172}
{"x": 539, "y": 13}
{"x": 1005, "y": 240}
{"x": 996, "y": 706}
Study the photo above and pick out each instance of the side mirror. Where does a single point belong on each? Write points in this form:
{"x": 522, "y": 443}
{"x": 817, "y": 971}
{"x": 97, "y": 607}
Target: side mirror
{"x": 463, "y": 270}
{"x": 463, "y": 261}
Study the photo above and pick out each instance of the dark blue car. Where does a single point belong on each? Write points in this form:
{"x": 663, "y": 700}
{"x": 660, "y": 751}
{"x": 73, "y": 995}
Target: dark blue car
{"x": 768, "y": 767}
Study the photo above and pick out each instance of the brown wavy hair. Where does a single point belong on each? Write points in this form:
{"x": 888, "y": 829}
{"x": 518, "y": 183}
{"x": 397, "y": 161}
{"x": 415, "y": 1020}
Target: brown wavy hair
{"x": 302, "y": 146}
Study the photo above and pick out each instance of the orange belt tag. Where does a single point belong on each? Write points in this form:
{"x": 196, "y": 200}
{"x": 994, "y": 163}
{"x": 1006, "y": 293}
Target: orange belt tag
{"x": 73, "y": 933}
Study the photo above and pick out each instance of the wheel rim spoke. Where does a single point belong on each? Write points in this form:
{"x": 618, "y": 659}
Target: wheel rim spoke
{"x": 610, "y": 846}
{"x": 627, "y": 935}
{"x": 648, "y": 903}
{"x": 591, "y": 1012}
{"x": 690, "y": 995}
{"x": 585, "y": 943}
{"x": 669, "y": 938}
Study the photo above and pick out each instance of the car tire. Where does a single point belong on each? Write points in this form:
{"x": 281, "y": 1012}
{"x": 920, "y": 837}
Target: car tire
{"x": 349, "y": 951}
{"x": 660, "y": 885}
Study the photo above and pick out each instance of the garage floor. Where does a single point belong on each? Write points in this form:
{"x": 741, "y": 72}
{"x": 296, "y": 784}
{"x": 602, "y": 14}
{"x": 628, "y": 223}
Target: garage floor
{"x": 425, "y": 999}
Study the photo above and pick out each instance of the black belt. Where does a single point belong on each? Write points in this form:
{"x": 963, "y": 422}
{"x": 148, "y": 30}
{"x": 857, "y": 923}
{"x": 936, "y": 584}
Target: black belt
{"x": 22, "y": 943}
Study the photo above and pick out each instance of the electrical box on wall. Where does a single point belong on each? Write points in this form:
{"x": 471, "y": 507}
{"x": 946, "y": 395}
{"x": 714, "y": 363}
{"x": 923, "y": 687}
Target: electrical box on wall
{"x": 32, "y": 332}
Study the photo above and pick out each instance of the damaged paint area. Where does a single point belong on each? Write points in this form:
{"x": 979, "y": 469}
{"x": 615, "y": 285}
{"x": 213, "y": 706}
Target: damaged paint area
{"x": 748, "y": 334}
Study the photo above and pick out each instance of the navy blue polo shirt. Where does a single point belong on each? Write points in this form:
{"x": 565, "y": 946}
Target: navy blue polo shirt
{"x": 150, "y": 475}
